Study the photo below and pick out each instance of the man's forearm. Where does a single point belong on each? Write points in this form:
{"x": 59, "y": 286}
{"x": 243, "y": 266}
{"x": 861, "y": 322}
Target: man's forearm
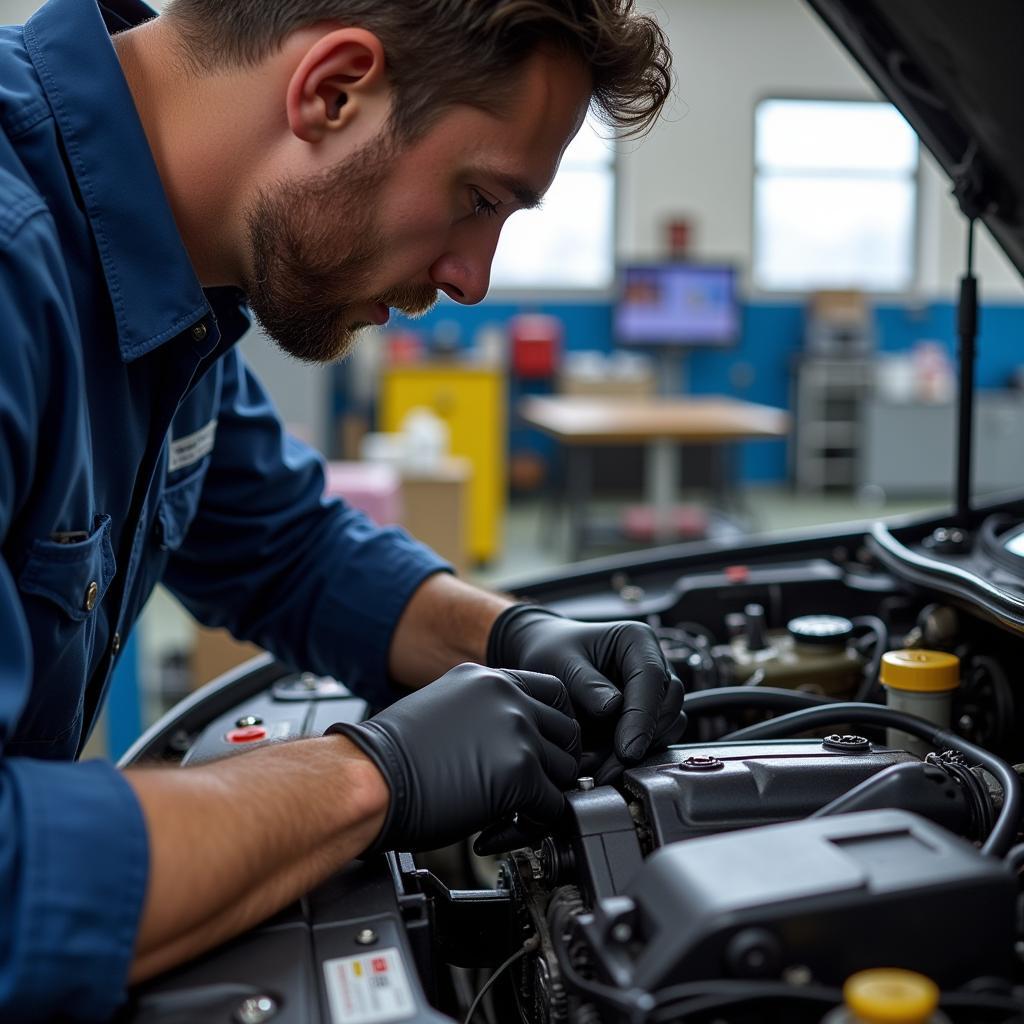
{"x": 446, "y": 622}
{"x": 234, "y": 841}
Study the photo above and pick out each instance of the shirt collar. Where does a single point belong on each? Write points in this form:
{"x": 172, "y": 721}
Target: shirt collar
{"x": 153, "y": 289}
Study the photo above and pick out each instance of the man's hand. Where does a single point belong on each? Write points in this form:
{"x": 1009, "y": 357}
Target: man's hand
{"x": 615, "y": 673}
{"x": 477, "y": 745}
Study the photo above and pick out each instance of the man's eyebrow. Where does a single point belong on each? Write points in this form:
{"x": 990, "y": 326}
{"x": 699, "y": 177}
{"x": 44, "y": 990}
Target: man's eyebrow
{"x": 528, "y": 198}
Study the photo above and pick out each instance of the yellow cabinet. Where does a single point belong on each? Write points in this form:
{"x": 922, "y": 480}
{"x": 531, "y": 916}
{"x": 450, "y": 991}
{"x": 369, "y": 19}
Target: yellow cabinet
{"x": 471, "y": 400}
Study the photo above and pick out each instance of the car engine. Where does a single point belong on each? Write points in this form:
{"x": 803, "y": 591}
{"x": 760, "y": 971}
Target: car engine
{"x": 810, "y": 826}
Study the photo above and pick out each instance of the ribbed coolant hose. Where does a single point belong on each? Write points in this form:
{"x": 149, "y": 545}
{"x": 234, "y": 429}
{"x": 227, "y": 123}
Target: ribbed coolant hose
{"x": 1003, "y": 833}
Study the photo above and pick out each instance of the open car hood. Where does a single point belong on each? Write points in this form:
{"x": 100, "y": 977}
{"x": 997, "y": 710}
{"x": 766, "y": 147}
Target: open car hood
{"x": 954, "y": 70}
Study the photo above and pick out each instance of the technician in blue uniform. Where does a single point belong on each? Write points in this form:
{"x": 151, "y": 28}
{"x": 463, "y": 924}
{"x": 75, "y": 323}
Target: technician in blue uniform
{"x": 320, "y": 161}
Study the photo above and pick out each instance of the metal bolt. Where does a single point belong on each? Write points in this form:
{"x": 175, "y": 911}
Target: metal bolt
{"x": 700, "y": 763}
{"x": 248, "y": 720}
{"x": 366, "y": 937}
{"x": 585, "y": 782}
{"x": 632, "y": 594}
{"x": 255, "y": 1010}
{"x": 848, "y": 743}
{"x": 308, "y": 681}
{"x": 797, "y": 974}
{"x": 622, "y": 932}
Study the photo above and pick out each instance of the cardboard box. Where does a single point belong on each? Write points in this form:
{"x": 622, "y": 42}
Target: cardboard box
{"x": 216, "y": 651}
{"x": 435, "y": 507}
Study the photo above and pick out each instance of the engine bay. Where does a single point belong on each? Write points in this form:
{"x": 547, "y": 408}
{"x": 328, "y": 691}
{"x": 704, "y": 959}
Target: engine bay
{"x": 814, "y": 823}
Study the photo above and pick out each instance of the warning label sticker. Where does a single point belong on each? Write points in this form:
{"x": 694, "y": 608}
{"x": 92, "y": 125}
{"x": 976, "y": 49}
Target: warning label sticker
{"x": 371, "y": 988}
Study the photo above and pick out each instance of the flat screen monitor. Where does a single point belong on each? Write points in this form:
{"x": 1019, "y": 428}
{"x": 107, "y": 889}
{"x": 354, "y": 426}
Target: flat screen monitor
{"x": 682, "y": 304}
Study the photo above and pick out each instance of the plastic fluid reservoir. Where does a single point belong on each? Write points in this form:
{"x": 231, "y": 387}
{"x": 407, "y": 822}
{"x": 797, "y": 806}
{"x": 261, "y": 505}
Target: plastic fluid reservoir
{"x": 921, "y": 683}
{"x": 814, "y": 653}
{"x": 888, "y": 995}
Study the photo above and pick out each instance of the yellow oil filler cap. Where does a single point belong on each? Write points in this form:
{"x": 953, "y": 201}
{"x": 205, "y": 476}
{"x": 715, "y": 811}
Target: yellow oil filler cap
{"x": 891, "y": 995}
{"x": 920, "y": 671}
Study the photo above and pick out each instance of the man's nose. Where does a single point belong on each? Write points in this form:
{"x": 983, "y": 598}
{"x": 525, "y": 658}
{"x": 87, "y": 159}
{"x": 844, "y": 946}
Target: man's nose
{"x": 463, "y": 272}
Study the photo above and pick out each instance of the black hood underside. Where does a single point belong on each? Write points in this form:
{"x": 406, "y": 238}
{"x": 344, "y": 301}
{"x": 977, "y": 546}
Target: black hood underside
{"x": 955, "y": 70}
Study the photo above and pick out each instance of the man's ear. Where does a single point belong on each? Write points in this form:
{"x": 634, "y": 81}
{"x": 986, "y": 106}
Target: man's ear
{"x": 342, "y": 73}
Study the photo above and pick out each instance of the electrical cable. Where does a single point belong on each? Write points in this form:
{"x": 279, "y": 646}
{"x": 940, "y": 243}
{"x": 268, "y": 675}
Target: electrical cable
{"x": 711, "y": 995}
{"x": 532, "y": 943}
{"x": 1003, "y": 833}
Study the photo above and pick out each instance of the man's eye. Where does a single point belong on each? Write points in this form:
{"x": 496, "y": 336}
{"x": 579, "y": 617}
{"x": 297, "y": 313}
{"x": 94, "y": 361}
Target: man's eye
{"x": 482, "y": 205}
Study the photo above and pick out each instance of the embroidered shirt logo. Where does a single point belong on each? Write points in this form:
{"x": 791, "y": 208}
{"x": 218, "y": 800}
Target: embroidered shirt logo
{"x": 191, "y": 448}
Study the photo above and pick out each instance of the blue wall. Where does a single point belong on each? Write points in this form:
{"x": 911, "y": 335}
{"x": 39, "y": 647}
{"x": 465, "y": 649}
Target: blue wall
{"x": 757, "y": 369}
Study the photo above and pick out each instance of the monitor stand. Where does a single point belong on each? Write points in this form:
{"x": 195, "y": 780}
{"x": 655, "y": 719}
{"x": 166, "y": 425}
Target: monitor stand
{"x": 663, "y": 482}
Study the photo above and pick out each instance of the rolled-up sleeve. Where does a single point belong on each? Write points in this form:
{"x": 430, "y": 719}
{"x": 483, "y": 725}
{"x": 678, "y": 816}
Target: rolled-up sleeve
{"x": 269, "y": 557}
{"x": 73, "y": 844}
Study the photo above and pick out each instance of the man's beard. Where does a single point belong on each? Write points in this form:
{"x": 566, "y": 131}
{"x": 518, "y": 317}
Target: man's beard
{"x": 312, "y": 266}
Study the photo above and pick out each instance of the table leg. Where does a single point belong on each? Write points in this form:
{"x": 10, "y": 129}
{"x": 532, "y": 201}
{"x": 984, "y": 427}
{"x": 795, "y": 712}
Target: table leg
{"x": 578, "y": 476}
{"x": 554, "y": 498}
{"x": 662, "y": 486}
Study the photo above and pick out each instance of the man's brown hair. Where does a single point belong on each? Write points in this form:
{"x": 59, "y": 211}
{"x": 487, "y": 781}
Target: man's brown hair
{"x": 445, "y": 52}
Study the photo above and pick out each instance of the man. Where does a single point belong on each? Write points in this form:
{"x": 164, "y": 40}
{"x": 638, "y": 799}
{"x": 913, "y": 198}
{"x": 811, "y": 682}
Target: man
{"x": 325, "y": 160}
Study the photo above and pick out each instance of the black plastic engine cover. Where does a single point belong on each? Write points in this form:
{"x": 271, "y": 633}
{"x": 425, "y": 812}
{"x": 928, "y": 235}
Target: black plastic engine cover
{"x": 718, "y": 787}
{"x": 833, "y": 895}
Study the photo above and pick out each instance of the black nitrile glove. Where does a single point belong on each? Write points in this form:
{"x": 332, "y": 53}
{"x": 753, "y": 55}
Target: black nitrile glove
{"x": 476, "y": 745}
{"x": 615, "y": 672}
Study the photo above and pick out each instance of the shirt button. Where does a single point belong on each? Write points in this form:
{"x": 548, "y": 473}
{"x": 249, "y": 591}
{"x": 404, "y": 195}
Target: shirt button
{"x": 199, "y": 332}
{"x": 115, "y": 644}
{"x": 91, "y": 593}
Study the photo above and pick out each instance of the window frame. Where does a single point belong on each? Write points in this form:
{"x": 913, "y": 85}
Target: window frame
{"x": 912, "y": 290}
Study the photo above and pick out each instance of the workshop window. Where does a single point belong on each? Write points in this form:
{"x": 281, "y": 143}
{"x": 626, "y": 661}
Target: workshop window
{"x": 834, "y": 196}
{"x": 567, "y": 244}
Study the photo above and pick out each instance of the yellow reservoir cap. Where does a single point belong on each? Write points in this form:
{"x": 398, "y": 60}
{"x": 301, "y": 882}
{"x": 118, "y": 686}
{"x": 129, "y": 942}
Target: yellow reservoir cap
{"x": 920, "y": 671}
{"x": 890, "y": 995}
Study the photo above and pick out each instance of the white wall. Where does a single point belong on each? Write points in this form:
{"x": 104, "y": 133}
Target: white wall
{"x": 728, "y": 55}
{"x": 14, "y": 12}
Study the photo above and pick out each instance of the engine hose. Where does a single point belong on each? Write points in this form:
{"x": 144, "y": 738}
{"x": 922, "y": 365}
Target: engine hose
{"x": 1003, "y": 833}
{"x": 973, "y": 789}
{"x": 1015, "y": 858}
{"x": 881, "y": 631}
{"x": 762, "y": 698}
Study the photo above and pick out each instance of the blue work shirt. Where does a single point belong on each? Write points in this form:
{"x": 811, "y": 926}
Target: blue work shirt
{"x": 135, "y": 446}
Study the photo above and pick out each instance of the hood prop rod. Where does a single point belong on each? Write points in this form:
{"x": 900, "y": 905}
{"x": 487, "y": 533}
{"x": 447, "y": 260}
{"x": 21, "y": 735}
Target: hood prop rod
{"x": 967, "y": 331}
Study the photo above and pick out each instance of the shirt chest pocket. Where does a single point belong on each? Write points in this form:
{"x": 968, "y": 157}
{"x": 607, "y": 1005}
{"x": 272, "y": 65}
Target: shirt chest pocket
{"x": 62, "y": 587}
{"x": 75, "y": 574}
{"x": 178, "y": 506}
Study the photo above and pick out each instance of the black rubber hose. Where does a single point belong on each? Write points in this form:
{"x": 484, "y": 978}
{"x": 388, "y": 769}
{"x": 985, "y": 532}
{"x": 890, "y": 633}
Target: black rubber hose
{"x": 757, "y": 698}
{"x": 1003, "y": 833}
{"x": 1015, "y": 858}
{"x": 881, "y": 631}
